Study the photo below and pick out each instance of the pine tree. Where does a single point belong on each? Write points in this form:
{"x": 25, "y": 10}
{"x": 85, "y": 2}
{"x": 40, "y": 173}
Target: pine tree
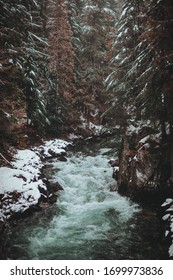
{"x": 61, "y": 57}
{"x": 125, "y": 54}
{"x": 27, "y": 85}
{"x": 141, "y": 82}
{"x": 96, "y": 23}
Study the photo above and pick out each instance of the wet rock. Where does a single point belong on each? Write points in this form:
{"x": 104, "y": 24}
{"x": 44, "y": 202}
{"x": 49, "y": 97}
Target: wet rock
{"x": 54, "y": 154}
{"x": 54, "y": 187}
{"x": 141, "y": 170}
{"x": 25, "y": 214}
{"x": 51, "y": 194}
{"x": 48, "y": 172}
{"x": 44, "y": 205}
{"x": 114, "y": 162}
{"x": 44, "y": 194}
{"x": 53, "y": 198}
{"x": 113, "y": 188}
{"x": 62, "y": 158}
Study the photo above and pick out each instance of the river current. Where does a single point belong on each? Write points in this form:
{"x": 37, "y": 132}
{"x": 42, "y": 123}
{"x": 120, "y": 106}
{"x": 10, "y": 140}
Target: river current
{"x": 90, "y": 219}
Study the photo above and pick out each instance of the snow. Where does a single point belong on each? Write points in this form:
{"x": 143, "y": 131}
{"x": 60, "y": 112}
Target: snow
{"x": 144, "y": 140}
{"x": 140, "y": 176}
{"x": 133, "y": 129}
{"x": 93, "y": 127}
{"x": 165, "y": 217}
{"x": 116, "y": 169}
{"x": 120, "y": 35}
{"x": 7, "y": 115}
{"x": 171, "y": 226}
{"x": 136, "y": 28}
{"x": 73, "y": 136}
{"x": 167, "y": 202}
{"x": 20, "y": 184}
{"x": 28, "y": 161}
{"x": 91, "y": 8}
{"x": 55, "y": 147}
{"x": 118, "y": 57}
{"x": 124, "y": 13}
{"x": 171, "y": 250}
{"x": 168, "y": 128}
{"x": 13, "y": 179}
{"x": 168, "y": 217}
{"x": 38, "y": 38}
{"x": 109, "y": 11}
{"x": 170, "y": 209}
{"x": 97, "y": 128}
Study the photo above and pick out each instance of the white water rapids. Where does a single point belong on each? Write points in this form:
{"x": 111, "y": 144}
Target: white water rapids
{"x": 91, "y": 221}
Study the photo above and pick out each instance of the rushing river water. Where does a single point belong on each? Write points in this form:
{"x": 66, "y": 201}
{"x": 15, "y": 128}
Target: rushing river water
{"x": 90, "y": 221}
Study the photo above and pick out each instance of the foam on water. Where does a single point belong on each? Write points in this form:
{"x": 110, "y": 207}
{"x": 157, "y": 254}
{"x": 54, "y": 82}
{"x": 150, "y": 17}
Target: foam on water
{"x": 89, "y": 212}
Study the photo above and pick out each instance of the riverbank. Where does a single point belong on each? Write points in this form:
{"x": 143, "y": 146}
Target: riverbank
{"x": 29, "y": 165}
{"x": 23, "y": 186}
{"x": 90, "y": 220}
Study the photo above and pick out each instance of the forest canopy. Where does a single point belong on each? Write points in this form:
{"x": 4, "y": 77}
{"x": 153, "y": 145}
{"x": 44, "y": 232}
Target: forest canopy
{"x": 68, "y": 66}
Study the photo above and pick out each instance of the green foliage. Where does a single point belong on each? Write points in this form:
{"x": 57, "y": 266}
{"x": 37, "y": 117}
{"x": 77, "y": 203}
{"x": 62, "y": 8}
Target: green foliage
{"x": 141, "y": 58}
{"x": 92, "y": 25}
{"x": 24, "y": 60}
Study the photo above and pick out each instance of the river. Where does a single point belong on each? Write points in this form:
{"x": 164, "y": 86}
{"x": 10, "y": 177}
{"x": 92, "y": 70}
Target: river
{"x": 89, "y": 220}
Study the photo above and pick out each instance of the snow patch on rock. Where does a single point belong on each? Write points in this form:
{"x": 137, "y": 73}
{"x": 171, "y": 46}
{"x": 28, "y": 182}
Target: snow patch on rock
{"x": 19, "y": 188}
{"x": 168, "y": 219}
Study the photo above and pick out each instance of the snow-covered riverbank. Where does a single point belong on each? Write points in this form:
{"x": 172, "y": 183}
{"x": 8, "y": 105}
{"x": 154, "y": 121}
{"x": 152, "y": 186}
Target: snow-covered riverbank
{"x": 23, "y": 187}
{"x": 20, "y": 184}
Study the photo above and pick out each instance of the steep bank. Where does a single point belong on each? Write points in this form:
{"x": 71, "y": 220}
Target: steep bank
{"x": 23, "y": 186}
{"x": 145, "y": 164}
{"x": 145, "y": 170}
{"x": 90, "y": 220}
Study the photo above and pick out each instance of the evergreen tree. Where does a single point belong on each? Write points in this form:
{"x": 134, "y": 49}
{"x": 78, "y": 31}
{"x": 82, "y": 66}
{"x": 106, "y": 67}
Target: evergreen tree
{"x": 142, "y": 76}
{"x": 97, "y": 22}
{"x": 126, "y": 48}
{"x": 61, "y": 57}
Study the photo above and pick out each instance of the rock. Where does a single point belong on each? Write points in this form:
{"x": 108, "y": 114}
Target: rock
{"x": 44, "y": 194}
{"x": 141, "y": 170}
{"x": 44, "y": 205}
{"x": 113, "y": 188}
{"x": 114, "y": 162}
{"x": 54, "y": 187}
{"x": 62, "y": 158}
{"x": 116, "y": 173}
{"x": 53, "y": 198}
{"x": 51, "y": 194}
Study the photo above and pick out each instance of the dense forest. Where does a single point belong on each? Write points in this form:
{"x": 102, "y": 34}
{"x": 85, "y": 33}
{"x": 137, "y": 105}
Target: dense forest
{"x": 70, "y": 67}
